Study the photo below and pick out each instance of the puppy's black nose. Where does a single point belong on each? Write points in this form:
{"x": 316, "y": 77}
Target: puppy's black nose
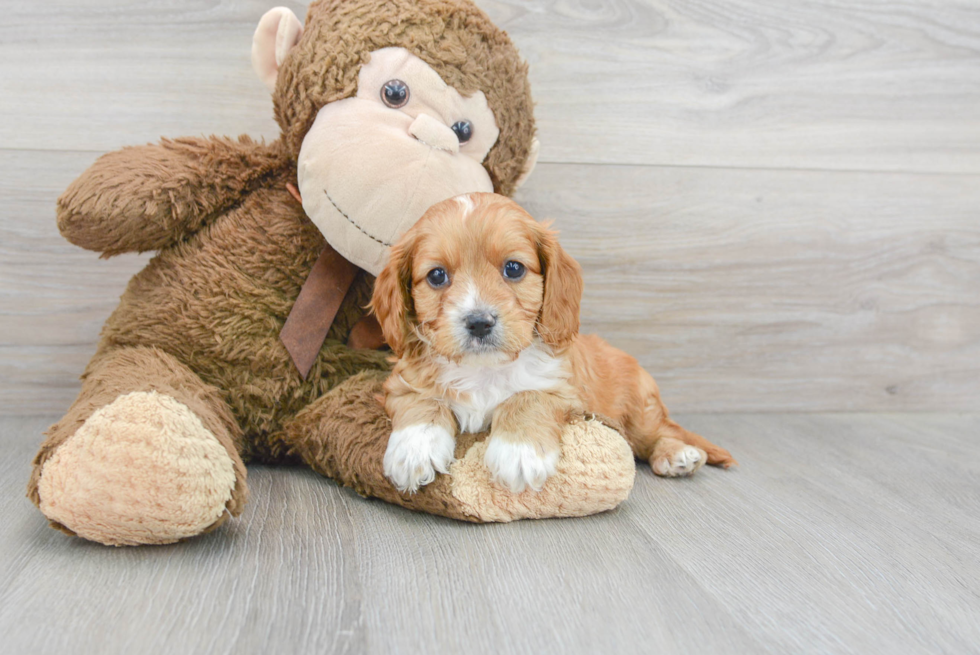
{"x": 480, "y": 325}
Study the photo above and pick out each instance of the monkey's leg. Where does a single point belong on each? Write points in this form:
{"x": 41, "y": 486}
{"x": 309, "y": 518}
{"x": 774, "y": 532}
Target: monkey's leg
{"x": 344, "y": 434}
{"x": 147, "y": 454}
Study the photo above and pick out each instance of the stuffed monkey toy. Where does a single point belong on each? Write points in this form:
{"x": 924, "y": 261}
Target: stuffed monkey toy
{"x": 245, "y": 337}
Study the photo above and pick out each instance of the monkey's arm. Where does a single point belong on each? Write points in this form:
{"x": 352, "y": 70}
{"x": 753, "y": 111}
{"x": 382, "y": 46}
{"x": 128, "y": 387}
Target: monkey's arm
{"x": 148, "y": 197}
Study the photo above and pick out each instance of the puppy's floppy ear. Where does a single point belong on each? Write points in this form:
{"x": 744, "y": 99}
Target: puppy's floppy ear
{"x": 558, "y": 322}
{"x": 392, "y": 298}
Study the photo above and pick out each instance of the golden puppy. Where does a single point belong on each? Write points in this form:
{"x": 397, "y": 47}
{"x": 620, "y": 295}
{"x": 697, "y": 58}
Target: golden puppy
{"x": 481, "y": 305}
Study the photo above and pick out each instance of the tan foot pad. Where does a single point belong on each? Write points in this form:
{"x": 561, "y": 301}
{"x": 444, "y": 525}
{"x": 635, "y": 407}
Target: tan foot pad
{"x": 595, "y": 474}
{"x": 141, "y": 470}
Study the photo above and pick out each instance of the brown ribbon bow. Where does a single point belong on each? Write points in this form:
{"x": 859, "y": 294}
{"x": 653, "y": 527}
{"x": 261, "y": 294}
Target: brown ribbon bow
{"x": 317, "y": 305}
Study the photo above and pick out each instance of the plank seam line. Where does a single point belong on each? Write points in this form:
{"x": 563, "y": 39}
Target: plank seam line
{"x": 768, "y": 169}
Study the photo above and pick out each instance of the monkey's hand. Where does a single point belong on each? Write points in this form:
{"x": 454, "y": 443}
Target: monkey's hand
{"x": 148, "y": 197}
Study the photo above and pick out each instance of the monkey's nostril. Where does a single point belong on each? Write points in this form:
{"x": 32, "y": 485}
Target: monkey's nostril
{"x": 479, "y": 325}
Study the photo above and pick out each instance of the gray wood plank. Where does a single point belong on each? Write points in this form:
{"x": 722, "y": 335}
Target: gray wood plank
{"x": 759, "y": 290}
{"x": 54, "y": 297}
{"x": 750, "y": 83}
{"x": 836, "y": 521}
{"x": 744, "y": 83}
{"x": 246, "y": 591}
{"x": 312, "y": 568}
{"x": 97, "y": 75}
{"x": 839, "y": 534}
{"x": 779, "y": 290}
{"x": 739, "y": 290}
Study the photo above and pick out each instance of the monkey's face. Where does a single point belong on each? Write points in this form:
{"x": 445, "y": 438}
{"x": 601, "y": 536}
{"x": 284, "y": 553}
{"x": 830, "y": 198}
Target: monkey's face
{"x": 373, "y": 163}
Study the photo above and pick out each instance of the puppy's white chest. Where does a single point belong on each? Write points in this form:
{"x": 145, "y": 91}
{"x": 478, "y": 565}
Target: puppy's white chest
{"x": 483, "y": 388}
{"x": 475, "y": 411}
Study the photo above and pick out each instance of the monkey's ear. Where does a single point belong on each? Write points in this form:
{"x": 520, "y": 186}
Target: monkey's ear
{"x": 278, "y": 31}
{"x": 532, "y": 159}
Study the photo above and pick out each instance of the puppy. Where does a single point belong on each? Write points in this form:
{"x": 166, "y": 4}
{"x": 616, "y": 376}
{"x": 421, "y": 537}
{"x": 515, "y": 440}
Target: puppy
{"x": 481, "y": 306}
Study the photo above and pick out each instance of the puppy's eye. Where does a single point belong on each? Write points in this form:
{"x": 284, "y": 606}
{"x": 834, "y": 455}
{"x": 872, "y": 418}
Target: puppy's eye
{"x": 514, "y": 271}
{"x": 437, "y": 278}
{"x": 463, "y": 130}
{"x": 395, "y": 93}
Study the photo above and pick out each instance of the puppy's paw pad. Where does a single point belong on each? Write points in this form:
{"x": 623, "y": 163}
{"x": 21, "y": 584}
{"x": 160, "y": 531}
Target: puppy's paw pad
{"x": 519, "y": 465}
{"x": 415, "y": 453}
{"x": 684, "y": 461}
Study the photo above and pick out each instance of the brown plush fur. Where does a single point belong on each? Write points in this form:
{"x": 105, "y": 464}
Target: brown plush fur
{"x": 201, "y": 322}
{"x": 596, "y": 475}
{"x": 126, "y": 370}
{"x": 357, "y": 461}
{"x": 458, "y": 40}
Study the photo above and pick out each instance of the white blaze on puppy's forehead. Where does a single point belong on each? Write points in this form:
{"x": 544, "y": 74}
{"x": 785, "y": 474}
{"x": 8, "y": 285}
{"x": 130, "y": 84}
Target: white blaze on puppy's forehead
{"x": 466, "y": 205}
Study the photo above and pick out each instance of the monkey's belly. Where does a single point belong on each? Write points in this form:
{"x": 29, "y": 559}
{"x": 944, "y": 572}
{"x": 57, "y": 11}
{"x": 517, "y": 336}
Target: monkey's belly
{"x": 218, "y": 302}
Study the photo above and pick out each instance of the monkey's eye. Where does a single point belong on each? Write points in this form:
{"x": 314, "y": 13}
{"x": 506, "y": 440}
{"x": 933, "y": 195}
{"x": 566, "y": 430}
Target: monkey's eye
{"x": 514, "y": 271}
{"x": 395, "y": 93}
{"x": 463, "y": 130}
{"x": 437, "y": 278}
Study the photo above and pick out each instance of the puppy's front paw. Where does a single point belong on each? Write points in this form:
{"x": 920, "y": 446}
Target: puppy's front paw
{"x": 517, "y": 465}
{"x": 681, "y": 462}
{"x": 415, "y": 453}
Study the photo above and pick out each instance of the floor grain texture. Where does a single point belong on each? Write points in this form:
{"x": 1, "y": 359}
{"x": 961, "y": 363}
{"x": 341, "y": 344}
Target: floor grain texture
{"x": 839, "y": 533}
{"x": 777, "y": 205}
{"x": 777, "y": 208}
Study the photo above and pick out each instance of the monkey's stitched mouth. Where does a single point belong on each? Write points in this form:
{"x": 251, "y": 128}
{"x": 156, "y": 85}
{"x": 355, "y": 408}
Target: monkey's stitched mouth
{"x": 354, "y": 223}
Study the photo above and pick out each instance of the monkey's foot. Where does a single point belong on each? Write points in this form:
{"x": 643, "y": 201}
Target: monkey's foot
{"x": 141, "y": 470}
{"x": 594, "y": 474}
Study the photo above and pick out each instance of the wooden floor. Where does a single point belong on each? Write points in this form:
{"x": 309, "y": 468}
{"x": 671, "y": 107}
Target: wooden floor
{"x": 777, "y": 205}
{"x": 777, "y": 208}
{"x": 838, "y": 534}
